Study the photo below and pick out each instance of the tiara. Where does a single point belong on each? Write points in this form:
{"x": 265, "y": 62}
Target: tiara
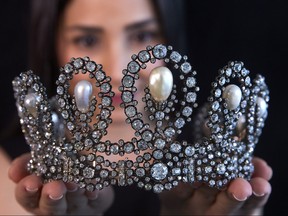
{"x": 66, "y": 133}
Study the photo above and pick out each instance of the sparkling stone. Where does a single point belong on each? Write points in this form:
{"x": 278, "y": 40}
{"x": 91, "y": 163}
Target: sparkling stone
{"x": 187, "y": 111}
{"x": 179, "y": 123}
{"x": 190, "y": 82}
{"x": 189, "y": 151}
{"x": 159, "y": 143}
{"x": 100, "y": 75}
{"x": 78, "y": 63}
{"x": 147, "y": 135}
{"x": 221, "y": 169}
{"x": 133, "y": 67}
{"x": 158, "y": 188}
{"x": 130, "y": 111}
{"x": 158, "y": 154}
{"x": 140, "y": 172}
{"x": 175, "y": 57}
{"x": 191, "y": 97}
{"x": 68, "y": 68}
{"x": 137, "y": 124}
{"x": 186, "y": 67}
{"x": 232, "y": 95}
{"x": 175, "y": 148}
{"x": 159, "y": 171}
{"x": 160, "y": 83}
{"x": 90, "y": 66}
{"x": 105, "y": 87}
{"x": 128, "y": 147}
{"x": 262, "y": 106}
{"x": 30, "y": 103}
{"x": 128, "y": 81}
{"x": 83, "y": 92}
{"x": 160, "y": 51}
{"x": 144, "y": 56}
{"x": 88, "y": 172}
{"x": 126, "y": 96}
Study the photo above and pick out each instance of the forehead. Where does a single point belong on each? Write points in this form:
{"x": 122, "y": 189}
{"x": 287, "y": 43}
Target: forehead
{"x": 107, "y": 12}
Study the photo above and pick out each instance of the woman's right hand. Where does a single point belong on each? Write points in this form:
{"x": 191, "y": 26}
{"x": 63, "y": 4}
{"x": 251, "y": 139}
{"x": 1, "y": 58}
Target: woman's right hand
{"x": 55, "y": 197}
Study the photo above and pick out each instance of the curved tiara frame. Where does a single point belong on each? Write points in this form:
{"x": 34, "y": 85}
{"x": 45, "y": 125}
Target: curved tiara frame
{"x": 66, "y": 134}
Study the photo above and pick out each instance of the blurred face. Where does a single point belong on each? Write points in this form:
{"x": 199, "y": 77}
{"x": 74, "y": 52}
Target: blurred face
{"x": 109, "y": 32}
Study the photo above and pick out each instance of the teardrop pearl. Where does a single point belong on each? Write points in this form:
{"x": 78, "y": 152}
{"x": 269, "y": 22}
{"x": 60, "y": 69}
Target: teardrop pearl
{"x": 232, "y": 95}
{"x": 160, "y": 83}
{"x": 262, "y": 105}
{"x": 30, "y": 103}
{"x": 82, "y": 93}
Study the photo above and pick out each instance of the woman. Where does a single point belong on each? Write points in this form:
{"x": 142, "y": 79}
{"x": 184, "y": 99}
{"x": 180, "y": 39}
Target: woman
{"x": 109, "y": 33}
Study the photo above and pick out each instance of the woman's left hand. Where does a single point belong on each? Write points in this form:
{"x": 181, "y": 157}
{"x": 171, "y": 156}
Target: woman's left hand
{"x": 241, "y": 197}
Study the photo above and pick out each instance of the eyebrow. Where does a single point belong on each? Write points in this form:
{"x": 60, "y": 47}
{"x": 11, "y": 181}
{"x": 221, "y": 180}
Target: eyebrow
{"x": 140, "y": 24}
{"x": 93, "y": 29}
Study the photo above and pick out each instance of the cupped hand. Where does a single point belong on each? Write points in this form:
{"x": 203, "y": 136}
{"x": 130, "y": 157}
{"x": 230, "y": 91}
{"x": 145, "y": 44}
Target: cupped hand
{"x": 241, "y": 197}
{"x": 57, "y": 197}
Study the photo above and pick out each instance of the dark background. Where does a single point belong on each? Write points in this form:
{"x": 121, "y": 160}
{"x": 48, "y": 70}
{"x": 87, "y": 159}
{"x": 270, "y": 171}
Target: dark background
{"x": 254, "y": 32}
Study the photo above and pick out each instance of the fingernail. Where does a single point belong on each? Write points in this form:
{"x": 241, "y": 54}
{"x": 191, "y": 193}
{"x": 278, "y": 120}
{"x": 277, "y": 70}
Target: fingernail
{"x": 258, "y": 195}
{"x": 31, "y": 189}
{"x": 55, "y": 197}
{"x": 238, "y": 198}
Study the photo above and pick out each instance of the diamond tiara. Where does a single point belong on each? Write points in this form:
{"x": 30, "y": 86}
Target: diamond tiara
{"x": 66, "y": 133}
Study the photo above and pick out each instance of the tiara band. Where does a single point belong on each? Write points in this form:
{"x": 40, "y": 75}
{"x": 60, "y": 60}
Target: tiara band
{"x": 66, "y": 133}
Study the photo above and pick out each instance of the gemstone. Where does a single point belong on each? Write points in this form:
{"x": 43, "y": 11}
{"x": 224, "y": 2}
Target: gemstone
{"x": 82, "y": 93}
{"x": 232, "y": 95}
{"x": 159, "y": 171}
{"x": 262, "y": 106}
{"x": 160, "y": 83}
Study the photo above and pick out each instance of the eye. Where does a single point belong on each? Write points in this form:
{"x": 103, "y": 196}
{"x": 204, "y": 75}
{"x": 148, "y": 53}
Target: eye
{"x": 86, "y": 41}
{"x": 144, "y": 36}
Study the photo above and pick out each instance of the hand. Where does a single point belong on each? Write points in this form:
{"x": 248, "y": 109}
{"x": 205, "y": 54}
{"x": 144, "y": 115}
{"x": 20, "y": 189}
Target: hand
{"x": 55, "y": 197}
{"x": 240, "y": 198}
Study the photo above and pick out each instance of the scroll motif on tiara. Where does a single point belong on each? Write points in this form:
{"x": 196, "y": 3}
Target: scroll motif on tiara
{"x": 66, "y": 134}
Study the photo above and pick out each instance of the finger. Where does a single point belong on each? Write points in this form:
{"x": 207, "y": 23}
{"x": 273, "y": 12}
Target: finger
{"x": 52, "y": 199}
{"x": 76, "y": 200}
{"x": 18, "y": 169}
{"x": 232, "y": 199}
{"x": 28, "y": 191}
{"x": 261, "y": 169}
{"x": 261, "y": 190}
{"x": 104, "y": 200}
{"x": 203, "y": 197}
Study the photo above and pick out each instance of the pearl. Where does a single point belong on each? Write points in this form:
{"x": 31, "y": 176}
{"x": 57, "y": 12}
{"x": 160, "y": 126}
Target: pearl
{"x": 82, "y": 93}
{"x": 30, "y": 103}
{"x": 232, "y": 95}
{"x": 160, "y": 83}
{"x": 262, "y": 106}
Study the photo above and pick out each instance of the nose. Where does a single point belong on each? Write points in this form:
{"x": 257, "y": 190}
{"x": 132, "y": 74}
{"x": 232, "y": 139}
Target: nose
{"x": 115, "y": 59}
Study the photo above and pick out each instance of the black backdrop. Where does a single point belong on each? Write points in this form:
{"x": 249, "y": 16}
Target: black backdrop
{"x": 254, "y": 32}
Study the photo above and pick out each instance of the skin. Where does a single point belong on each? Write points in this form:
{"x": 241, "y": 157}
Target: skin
{"x": 82, "y": 32}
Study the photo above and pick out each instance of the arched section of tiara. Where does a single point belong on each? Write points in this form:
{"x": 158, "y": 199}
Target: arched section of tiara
{"x": 35, "y": 118}
{"x": 78, "y": 110}
{"x": 159, "y": 112}
{"x": 227, "y": 128}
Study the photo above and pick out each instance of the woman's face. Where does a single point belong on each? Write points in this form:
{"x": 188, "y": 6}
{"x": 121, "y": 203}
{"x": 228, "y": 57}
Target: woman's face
{"x": 109, "y": 32}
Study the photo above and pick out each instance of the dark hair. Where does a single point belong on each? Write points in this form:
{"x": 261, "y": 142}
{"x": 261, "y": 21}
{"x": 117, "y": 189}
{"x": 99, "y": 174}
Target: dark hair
{"x": 44, "y": 21}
